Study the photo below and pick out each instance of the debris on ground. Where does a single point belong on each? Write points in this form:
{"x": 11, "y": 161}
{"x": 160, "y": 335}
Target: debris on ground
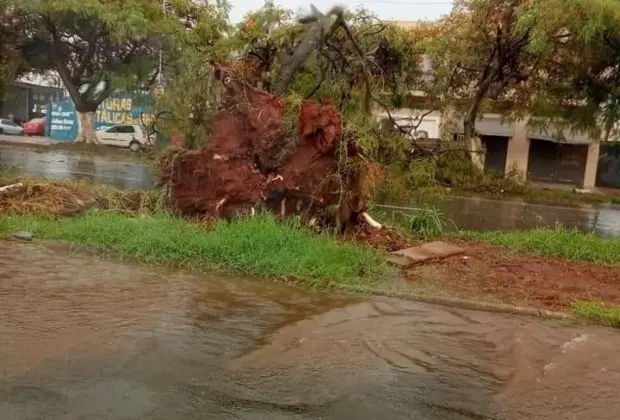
{"x": 23, "y": 235}
{"x": 53, "y": 198}
{"x": 8, "y": 188}
{"x": 386, "y": 239}
{"x": 265, "y": 153}
{"x": 429, "y": 251}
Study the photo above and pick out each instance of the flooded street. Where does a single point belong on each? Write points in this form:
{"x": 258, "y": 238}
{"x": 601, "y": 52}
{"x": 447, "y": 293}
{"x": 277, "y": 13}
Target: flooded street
{"x": 63, "y": 165}
{"x": 91, "y": 339}
{"x": 483, "y": 214}
{"x": 460, "y": 212}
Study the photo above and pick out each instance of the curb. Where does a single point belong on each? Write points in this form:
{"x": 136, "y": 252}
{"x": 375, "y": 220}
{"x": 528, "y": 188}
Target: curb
{"x": 495, "y": 307}
{"x": 474, "y": 306}
{"x": 448, "y": 302}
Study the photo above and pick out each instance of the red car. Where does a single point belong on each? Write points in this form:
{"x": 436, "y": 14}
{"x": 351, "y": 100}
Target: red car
{"x": 35, "y": 127}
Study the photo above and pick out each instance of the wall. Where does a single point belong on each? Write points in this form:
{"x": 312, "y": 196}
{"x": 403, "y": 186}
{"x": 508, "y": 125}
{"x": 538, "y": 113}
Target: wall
{"x": 121, "y": 108}
{"x": 39, "y": 97}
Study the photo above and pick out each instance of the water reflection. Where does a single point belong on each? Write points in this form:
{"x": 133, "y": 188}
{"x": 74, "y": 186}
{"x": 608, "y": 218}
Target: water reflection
{"x": 64, "y": 165}
{"x": 482, "y": 214}
{"x": 464, "y": 213}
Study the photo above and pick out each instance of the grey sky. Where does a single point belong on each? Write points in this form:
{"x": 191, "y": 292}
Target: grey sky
{"x": 406, "y": 10}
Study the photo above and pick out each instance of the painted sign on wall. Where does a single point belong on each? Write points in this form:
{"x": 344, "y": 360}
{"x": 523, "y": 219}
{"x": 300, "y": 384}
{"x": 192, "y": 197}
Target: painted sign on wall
{"x": 62, "y": 122}
{"x": 118, "y": 109}
{"x": 123, "y": 110}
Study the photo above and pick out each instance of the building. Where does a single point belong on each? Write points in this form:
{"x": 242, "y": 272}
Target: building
{"x": 546, "y": 156}
{"x": 552, "y": 155}
{"x": 25, "y": 101}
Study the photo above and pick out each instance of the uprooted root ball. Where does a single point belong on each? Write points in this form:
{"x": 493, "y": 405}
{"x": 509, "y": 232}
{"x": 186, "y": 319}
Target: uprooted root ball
{"x": 253, "y": 160}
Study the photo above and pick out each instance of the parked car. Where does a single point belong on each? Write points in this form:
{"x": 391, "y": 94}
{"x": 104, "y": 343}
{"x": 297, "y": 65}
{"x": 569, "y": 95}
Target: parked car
{"x": 35, "y": 127}
{"x": 9, "y": 127}
{"x": 133, "y": 137}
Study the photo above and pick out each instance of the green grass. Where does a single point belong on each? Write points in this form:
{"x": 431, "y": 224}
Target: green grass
{"x": 426, "y": 222}
{"x": 423, "y": 223}
{"x": 560, "y": 242}
{"x": 258, "y": 246}
{"x": 597, "y": 312}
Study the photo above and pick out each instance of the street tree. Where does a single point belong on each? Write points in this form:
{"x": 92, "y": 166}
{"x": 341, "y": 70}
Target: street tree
{"x": 97, "y": 46}
{"x": 485, "y": 47}
{"x": 11, "y": 34}
{"x": 584, "y": 73}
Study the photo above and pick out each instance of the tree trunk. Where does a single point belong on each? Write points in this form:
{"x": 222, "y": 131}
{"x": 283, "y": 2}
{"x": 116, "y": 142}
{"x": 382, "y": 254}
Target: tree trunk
{"x": 473, "y": 142}
{"x": 86, "y": 128}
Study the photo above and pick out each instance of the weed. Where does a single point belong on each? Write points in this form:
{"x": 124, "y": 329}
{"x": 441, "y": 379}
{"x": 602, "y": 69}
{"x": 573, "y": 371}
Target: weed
{"x": 597, "y": 312}
{"x": 426, "y": 222}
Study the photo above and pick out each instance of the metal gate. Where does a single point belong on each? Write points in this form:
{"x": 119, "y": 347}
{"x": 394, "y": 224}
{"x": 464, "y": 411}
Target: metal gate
{"x": 557, "y": 162}
{"x": 608, "y": 171}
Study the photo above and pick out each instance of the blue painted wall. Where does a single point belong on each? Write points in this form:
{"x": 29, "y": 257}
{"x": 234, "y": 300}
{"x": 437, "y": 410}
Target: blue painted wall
{"x": 120, "y": 108}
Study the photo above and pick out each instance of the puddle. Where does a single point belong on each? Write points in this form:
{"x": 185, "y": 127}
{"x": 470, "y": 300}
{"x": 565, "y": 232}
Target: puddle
{"x": 64, "y": 165}
{"x": 481, "y": 214}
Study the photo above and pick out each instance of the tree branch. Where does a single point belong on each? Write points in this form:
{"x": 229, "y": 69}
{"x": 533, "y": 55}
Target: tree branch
{"x": 291, "y": 64}
{"x": 90, "y": 53}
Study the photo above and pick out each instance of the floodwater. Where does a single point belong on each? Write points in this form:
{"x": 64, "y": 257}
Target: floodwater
{"x": 63, "y": 165}
{"x": 484, "y": 214}
{"x": 461, "y": 213}
{"x": 89, "y": 339}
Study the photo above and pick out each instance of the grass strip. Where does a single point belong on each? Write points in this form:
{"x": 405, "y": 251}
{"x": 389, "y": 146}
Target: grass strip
{"x": 258, "y": 246}
{"x": 560, "y": 242}
{"x": 598, "y": 313}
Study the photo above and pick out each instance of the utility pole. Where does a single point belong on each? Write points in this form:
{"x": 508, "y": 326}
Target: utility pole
{"x": 159, "y": 89}
{"x": 161, "y": 53}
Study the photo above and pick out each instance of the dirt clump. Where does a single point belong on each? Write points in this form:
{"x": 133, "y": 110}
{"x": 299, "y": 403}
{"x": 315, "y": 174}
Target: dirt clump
{"x": 386, "y": 239}
{"x": 488, "y": 272}
{"x": 257, "y": 157}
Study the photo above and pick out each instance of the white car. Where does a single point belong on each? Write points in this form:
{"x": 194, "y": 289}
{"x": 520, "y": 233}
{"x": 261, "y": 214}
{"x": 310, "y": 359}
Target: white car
{"x": 133, "y": 137}
{"x": 9, "y": 127}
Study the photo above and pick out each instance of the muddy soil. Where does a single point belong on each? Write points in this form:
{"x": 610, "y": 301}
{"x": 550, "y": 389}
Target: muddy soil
{"x": 265, "y": 153}
{"x": 490, "y": 273}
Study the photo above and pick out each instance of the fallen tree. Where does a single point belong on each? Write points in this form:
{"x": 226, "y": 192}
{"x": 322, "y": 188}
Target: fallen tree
{"x": 292, "y": 159}
{"x": 294, "y": 131}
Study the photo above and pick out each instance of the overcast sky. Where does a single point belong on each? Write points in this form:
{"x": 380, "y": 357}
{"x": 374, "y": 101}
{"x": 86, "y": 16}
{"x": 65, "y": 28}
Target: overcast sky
{"x": 386, "y": 9}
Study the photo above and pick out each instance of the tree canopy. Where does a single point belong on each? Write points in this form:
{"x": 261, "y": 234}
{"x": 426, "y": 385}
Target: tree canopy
{"x": 512, "y": 56}
{"x": 98, "y": 46}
